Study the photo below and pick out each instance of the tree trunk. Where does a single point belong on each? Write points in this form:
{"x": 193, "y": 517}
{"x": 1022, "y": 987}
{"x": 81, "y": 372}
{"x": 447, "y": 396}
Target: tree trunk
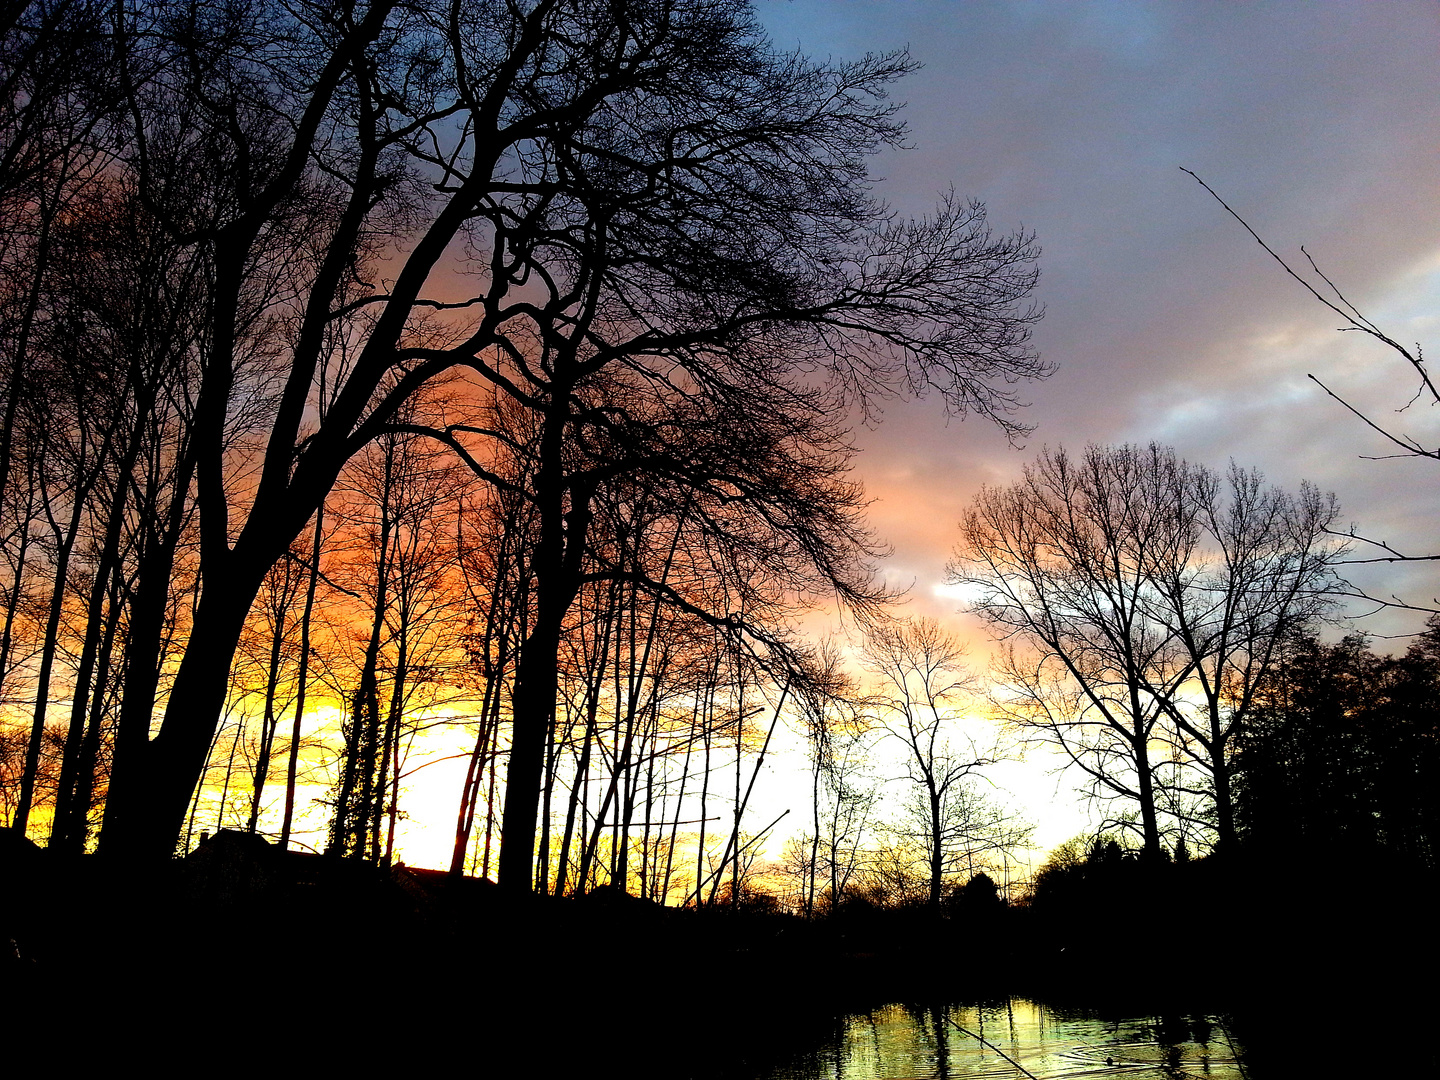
{"x": 582, "y": 767}
{"x": 79, "y": 828}
{"x": 292, "y": 765}
{"x": 51, "y": 642}
{"x": 144, "y": 813}
{"x": 1149, "y": 820}
{"x": 390, "y": 756}
{"x": 12, "y": 601}
{"x": 557, "y": 580}
{"x": 1225, "y": 838}
{"x": 96, "y": 626}
{"x": 937, "y": 849}
{"x": 269, "y": 719}
{"x": 143, "y": 646}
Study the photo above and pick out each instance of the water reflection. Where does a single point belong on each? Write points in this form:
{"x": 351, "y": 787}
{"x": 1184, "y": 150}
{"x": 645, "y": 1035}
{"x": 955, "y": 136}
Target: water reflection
{"x": 1019, "y": 1038}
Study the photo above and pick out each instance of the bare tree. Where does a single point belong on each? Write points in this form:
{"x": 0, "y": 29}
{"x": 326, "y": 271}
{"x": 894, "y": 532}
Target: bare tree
{"x": 924, "y": 686}
{"x": 1141, "y": 599}
{"x": 1061, "y": 560}
{"x": 851, "y": 797}
{"x": 492, "y": 536}
{"x": 1258, "y": 564}
{"x": 276, "y": 606}
{"x": 670, "y": 258}
{"x": 842, "y": 795}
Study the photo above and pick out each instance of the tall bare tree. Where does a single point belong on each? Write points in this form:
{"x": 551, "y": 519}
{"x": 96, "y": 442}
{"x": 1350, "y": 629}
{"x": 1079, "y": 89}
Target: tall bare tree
{"x": 1141, "y": 600}
{"x": 924, "y": 687}
{"x": 1257, "y": 564}
{"x": 1062, "y": 559}
{"x": 669, "y": 256}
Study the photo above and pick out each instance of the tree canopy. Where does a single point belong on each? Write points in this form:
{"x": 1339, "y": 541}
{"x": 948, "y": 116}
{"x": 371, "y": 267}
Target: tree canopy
{"x": 614, "y": 254}
{"x": 1142, "y": 600}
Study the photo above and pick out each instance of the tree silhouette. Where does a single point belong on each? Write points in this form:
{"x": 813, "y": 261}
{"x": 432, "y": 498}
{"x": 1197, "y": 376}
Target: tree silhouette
{"x": 923, "y": 685}
{"x": 1338, "y": 761}
{"x": 636, "y": 223}
{"x": 1142, "y": 598}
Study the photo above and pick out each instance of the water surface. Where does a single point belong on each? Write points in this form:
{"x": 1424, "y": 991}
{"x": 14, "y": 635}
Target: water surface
{"x": 1011, "y": 1039}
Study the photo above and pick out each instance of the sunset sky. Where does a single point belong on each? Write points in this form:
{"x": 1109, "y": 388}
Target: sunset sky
{"x": 1320, "y": 123}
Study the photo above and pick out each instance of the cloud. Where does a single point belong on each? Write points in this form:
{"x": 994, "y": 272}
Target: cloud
{"x": 1169, "y": 323}
{"x": 1317, "y": 122}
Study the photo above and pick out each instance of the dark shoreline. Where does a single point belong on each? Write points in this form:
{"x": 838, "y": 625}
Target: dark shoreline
{"x": 173, "y": 960}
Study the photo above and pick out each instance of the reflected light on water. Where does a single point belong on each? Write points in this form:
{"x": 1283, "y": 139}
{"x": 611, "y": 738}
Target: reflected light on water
{"x": 911, "y": 1042}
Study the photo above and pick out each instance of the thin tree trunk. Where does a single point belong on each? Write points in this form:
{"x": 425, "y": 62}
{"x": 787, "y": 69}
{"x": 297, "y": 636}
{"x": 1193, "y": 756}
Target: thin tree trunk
{"x": 490, "y": 797}
{"x": 229, "y": 771}
{"x": 739, "y": 805}
{"x": 479, "y": 756}
{"x": 292, "y": 765}
{"x": 547, "y": 790}
{"x": 51, "y": 642}
{"x": 389, "y": 759}
{"x": 814, "y": 862}
{"x": 646, "y": 858}
{"x": 95, "y": 628}
{"x": 67, "y": 831}
{"x": 269, "y": 721}
{"x": 199, "y": 788}
{"x": 79, "y": 833}
{"x": 582, "y": 768}
{"x": 705, "y": 729}
{"x": 734, "y": 843}
{"x": 675, "y": 823}
{"x": 12, "y": 601}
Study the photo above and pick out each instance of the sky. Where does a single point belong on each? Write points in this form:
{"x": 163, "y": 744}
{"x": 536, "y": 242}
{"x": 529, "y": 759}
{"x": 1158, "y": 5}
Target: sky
{"x": 1319, "y": 123}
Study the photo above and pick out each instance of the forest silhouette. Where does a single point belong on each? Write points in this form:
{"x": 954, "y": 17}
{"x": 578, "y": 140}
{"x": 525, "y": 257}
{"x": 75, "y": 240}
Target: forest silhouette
{"x": 387, "y": 377}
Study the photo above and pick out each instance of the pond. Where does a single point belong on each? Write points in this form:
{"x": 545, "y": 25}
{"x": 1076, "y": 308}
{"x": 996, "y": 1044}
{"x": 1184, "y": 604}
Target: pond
{"x": 1018, "y": 1038}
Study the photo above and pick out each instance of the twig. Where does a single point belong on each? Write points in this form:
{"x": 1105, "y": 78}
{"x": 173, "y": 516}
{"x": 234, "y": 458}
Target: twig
{"x": 305, "y": 564}
{"x": 1356, "y": 320}
{"x": 1392, "y": 555}
{"x": 992, "y": 1046}
{"x": 1408, "y": 445}
{"x": 1220, "y": 1022}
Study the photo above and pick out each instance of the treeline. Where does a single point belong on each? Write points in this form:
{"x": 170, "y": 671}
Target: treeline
{"x": 1143, "y": 603}
{"x": 368, "y": 368}
{"x": 1334, "y": 768}
{"x": 373, "y": 370}
{"x": 1331, "y": 881}
{"x": 1340, "y": 761}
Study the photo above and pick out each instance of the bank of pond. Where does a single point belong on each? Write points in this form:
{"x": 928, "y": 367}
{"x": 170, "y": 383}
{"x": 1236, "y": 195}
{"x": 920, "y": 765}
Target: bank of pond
{"x": 1252, "y": 969}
